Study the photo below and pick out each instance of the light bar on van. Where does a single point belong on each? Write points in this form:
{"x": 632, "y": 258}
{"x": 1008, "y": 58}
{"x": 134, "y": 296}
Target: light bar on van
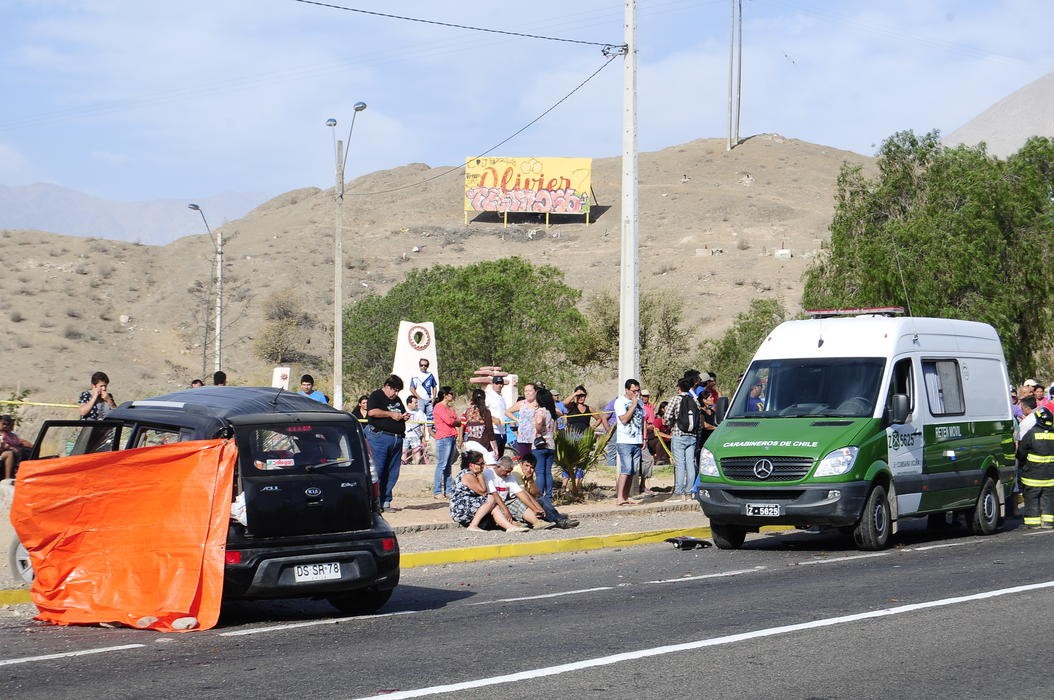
{"x": 864, "y": 311}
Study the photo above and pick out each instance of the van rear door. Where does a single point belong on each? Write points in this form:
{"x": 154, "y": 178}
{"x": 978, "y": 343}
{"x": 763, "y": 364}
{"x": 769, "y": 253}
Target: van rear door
{"x": 303, "y": 478}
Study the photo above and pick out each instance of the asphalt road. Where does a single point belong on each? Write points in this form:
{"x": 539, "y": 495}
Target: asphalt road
{"x": 792, "y": 615}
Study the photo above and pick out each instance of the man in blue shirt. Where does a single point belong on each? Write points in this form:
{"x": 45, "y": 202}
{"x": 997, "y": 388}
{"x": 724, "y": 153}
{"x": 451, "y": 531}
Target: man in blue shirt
{"x": 307, "y": 388}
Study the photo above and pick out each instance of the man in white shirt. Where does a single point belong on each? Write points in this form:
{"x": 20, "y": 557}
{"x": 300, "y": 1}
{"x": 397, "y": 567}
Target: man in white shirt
{"x": 629, "y": 436}
{"x": 521, "y": 505}
{"x": 496, "y": 406}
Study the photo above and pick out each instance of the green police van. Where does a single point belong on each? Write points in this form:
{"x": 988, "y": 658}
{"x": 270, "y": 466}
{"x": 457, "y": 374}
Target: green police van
{"x": 856, "y": 421}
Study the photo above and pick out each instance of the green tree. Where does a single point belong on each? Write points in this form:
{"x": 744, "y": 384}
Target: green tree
{"x": 729, "y": 355}
{"x": 950, "y": 232}
{"x": 505, "y": 312}
{"x": 664, "y": 341}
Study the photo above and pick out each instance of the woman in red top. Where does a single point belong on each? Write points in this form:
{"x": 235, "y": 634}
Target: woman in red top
{"x": 446, "y": 424}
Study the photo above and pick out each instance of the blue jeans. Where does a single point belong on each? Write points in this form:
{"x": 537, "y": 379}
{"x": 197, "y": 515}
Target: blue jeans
{"x": 683, "y": 449}
{"x": 387, "y": 452}
{"x": 628, "y": 458}
{"x": 445, "y": 451}
{"x": 551, "y": 513}
{"x": 544, "y": 471}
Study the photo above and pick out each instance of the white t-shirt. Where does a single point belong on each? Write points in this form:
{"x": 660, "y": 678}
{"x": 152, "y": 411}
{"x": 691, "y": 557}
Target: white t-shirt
{"x": 507, "y": 487}
{"x": 496, "y": 406}
{"x": 630, "y": 433}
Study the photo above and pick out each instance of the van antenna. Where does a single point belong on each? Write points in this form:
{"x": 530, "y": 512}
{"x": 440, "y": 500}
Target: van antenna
{"x": 274, "y": 403}
{"x": 903, "y": 283}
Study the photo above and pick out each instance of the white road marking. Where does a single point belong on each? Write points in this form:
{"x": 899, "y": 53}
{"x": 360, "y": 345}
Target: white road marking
{"x": 313, "y": 623}
{"x": 68, "y": 654}
{"x": 544, "y": 595}
{"x": 702, "y": 576}
{"x": 1045, "y": 531}
{"x": 702, "y": 643}
{"x": 839, "y": 559}
{"x": 936, "y": 546}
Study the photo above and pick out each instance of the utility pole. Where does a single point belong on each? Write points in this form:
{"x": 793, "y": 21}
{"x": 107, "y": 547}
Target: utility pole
{"x": 735, "y": 67}
{"x": 629, "y": 283}
{"x": 217, "y": 240}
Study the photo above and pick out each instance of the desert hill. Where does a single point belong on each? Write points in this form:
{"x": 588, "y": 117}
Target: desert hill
{"x": 1006, "y": 125}
{"x": 711, "y": 223}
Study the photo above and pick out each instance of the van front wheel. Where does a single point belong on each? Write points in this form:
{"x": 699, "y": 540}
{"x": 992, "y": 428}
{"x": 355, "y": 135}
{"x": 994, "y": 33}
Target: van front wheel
{"x": 985, "y": 517}
{"x": 872, "y": 532}
{"x": 728, "y": 536}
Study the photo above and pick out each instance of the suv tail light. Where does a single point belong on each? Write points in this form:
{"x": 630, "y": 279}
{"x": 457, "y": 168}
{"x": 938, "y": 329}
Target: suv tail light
{"x": 232, "y": 556}
{"x": 388, "y": 544}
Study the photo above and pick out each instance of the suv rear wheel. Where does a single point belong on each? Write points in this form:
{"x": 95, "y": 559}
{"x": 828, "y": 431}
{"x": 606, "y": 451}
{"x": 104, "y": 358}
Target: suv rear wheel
{"x": 363, "y": 602}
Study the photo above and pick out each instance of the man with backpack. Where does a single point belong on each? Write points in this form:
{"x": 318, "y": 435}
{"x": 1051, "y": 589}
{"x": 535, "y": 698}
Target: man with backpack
{"x": 683, "y": 417}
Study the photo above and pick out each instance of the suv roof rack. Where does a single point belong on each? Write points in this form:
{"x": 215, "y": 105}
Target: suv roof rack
{"x": 863, "y": 311}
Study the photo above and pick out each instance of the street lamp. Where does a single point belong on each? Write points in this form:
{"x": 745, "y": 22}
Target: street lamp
{"x": 217, "y": 241}
{"x": 338, "y": 260}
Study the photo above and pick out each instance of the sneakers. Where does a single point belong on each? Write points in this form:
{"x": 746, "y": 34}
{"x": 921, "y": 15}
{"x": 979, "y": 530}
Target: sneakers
{"x": 566, "y": 523}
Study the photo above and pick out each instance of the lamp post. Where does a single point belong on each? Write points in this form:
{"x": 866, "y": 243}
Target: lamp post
{"x": 338, "y": 259}
{"x": 217, "y": 241}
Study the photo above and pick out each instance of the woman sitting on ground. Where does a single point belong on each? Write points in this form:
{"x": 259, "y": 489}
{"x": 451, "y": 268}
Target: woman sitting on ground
{"x": 471, "y": 505}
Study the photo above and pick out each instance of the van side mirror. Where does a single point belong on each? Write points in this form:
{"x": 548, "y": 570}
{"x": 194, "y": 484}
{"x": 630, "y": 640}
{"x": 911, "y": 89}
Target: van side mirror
{"x": 899, "y": 412}
{"x": 720, "y": 409}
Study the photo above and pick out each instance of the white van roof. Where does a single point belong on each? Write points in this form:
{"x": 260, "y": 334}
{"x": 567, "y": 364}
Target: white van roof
{"x": 878, "y": 336}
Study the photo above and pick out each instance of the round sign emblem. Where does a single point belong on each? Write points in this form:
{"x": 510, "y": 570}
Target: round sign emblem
{"x": 419, "y": 337}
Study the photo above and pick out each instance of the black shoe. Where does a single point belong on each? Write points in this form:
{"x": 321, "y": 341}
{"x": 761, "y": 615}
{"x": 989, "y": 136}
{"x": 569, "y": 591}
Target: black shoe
{"x": 566, "y": 523}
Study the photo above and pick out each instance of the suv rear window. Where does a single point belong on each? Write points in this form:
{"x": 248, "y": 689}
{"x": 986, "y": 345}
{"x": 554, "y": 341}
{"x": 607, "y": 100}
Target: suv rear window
{"x": 301, "y": 447}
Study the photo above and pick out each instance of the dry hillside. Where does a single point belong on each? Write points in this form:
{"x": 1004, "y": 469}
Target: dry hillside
{"x": 710, "y": 224}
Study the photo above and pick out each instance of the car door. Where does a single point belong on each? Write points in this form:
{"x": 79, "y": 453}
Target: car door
{"x": 64, "y": 438}
{"x": 303, "y": 478}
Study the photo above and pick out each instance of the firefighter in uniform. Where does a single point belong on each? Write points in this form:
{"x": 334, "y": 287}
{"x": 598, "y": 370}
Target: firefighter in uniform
{"x": 1037, "y": 472}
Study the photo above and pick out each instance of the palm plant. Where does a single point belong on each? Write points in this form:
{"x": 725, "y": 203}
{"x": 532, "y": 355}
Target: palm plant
{"x": 576, "y": 453}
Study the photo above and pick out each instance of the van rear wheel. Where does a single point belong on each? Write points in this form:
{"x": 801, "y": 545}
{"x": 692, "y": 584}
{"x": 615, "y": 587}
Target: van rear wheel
{"x": 985, "y": 518}
{"x": 728, "y": 536}
{"x": 872, "y": 532}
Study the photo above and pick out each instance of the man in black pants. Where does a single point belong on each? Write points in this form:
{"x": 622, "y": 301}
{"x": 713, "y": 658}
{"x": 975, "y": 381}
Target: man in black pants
{"x": 386, "y": 418}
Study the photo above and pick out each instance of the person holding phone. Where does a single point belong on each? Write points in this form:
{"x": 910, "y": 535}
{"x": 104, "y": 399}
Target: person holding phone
{"x": 97, "y": 401}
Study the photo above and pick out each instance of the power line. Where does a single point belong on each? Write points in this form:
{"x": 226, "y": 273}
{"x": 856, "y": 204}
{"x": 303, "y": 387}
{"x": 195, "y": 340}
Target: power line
{"x": 610, "y": 57}
{"x": 452, "y": 25}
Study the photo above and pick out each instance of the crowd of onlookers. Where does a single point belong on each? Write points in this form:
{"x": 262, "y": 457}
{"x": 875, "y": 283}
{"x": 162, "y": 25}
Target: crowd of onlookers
{"x": 507, "y": 476}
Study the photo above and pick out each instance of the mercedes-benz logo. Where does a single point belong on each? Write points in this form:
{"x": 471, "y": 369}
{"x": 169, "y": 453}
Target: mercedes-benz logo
{"x": 763, "y": 468}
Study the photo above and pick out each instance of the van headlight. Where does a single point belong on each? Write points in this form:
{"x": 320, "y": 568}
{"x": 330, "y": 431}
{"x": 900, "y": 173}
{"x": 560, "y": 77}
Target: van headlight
{"x": 838, "y": 462}
{"x": 707, "y": 463}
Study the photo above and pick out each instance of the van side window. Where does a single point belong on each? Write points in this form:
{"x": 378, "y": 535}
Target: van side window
{"x": 902, "y": 381}
{"x": 944, "y": 389}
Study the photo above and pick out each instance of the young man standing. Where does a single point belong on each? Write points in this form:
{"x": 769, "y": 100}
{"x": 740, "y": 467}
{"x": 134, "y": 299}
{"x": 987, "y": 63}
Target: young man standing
{"x": 386, "y": 417}
{"x": 424, "y": 386}
{"x": 496, "y": 406}
{"x": 629, "y": 436}
{"x": 96, "y": 402}
{"x": 307, "y": 388}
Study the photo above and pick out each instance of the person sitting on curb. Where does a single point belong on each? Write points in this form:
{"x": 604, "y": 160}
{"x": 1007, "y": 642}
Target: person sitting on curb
{"x": 521, "y": 505}
{"x": 13, "y": 449}
{"x": 527, "y": 467}
{"x": 470, "y": 504}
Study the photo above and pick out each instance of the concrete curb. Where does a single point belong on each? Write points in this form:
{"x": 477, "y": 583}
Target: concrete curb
{"x": 14, "y": 595}
{"x": 523, "y": 549}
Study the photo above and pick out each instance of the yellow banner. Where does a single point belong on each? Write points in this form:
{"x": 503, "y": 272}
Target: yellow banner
{"x": 541, "y": 185}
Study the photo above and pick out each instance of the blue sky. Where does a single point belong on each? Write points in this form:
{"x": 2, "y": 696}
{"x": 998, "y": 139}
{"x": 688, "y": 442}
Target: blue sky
{"x": 134, "y": 99}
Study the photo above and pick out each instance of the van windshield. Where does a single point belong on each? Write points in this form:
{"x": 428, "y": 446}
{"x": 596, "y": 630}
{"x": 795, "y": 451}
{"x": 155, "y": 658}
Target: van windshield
{"x": 302, "y": 447}
{"x": 793, "y": 388}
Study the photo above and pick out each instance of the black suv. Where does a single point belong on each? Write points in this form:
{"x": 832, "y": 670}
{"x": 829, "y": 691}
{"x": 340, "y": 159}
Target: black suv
{"x": 306, "y": 520}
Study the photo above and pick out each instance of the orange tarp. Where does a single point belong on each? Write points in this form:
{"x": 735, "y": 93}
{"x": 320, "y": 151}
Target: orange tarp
{"x": 135, "y": 537}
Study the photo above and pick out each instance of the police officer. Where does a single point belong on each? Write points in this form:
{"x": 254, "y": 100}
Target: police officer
{"x": 1037, "y": 472}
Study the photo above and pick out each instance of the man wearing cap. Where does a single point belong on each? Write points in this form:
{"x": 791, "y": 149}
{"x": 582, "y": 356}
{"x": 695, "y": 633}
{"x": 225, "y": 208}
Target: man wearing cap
{"x": 496, "y": 406}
